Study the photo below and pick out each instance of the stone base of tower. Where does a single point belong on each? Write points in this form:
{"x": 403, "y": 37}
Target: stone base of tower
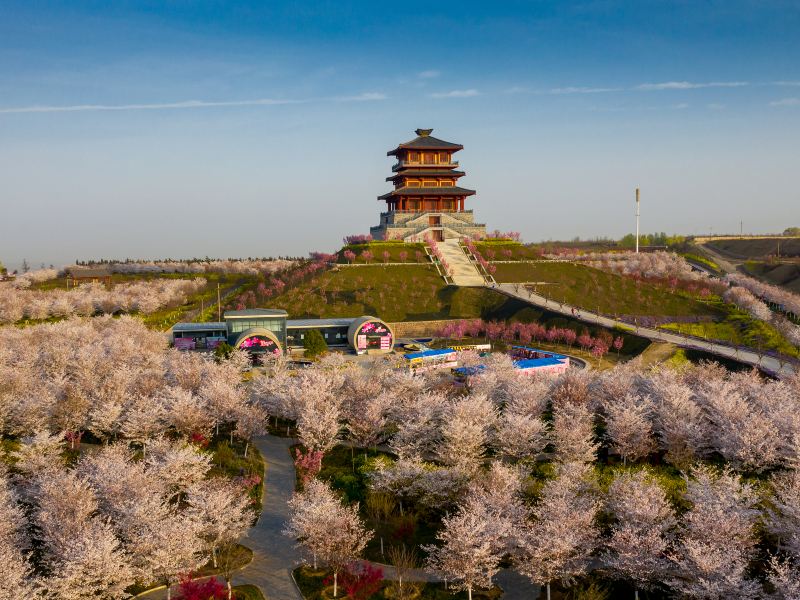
{"x": 416, "y": 226}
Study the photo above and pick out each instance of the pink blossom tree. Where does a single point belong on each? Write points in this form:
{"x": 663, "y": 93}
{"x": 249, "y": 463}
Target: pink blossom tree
{"x": 640, "y": 537}
{"x": 561, "y": 537}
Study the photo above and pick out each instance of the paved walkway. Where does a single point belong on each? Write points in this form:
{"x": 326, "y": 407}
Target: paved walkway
{"x": 274, "y": 555}
{"x": 464, "y": 273}
{"x": 749, "y": 357}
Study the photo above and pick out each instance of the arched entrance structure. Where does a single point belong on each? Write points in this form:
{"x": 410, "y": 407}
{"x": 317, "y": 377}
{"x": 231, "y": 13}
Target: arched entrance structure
{"x": 258, "y": 340}
{"x": 370, "y": 334}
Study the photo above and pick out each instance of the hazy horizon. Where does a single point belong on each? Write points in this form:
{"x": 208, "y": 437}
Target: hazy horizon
{"x": 136, "y": 131}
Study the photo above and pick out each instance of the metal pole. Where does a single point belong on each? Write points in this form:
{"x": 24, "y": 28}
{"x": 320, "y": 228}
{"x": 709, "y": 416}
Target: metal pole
{"x": 219, "y": 306}
{"x": 637, "y": 220}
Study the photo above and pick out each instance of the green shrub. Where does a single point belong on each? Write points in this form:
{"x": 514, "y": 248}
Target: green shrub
{"x": 314, "y": 344}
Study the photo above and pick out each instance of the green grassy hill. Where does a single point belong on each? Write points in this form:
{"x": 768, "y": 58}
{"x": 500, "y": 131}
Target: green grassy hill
{"x": 611, "y": 294}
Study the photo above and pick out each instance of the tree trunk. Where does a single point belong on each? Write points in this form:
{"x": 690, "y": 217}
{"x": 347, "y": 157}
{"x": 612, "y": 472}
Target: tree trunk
{"x": 548, "y": 591}
{"x": 246, "y": 447}
{"x": 636, "y": 594}
{"x": 469, "y": 593}
{"x": 335, "y": 582}
{"x": 231, "y": 436}
{"x": 169, "y": 591}
{"x": 230, "y": 589}
{"x": 214, "y": 557}
{"x": 315, "y": 561}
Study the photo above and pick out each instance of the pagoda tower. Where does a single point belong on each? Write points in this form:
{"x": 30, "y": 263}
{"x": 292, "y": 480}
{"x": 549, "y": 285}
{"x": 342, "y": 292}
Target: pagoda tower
{"x": 426, "y": 200}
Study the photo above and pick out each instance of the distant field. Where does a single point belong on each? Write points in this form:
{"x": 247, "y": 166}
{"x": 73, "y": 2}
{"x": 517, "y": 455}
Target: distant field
{"x": 612, "y": 294}
{"x": 744, "y": 249}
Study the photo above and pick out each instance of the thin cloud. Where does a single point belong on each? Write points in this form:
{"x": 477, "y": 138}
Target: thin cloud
{"x": 786, "y": 102}
{"x": 787, "y": 83}
{"x": 471, "y": 93}
{"x": 681, "y": 106}
{"x": 366, "y": 97}
{"x": 583, "y": 90}
{"x": 429, "y": 74}
{"x": 715, "y": 106}
{"x": 182, "y": 105}
{"x": 688, "y": 85}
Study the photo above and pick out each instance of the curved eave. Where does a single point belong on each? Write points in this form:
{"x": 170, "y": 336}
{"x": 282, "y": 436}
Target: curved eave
{"x": 421, "y": 191}
{"x": 422, "y": 173}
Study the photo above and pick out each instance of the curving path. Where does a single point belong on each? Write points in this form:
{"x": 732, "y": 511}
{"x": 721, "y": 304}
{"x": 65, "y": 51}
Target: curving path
{"x": 769, "y": 364}
{"x": 274, "y": 555}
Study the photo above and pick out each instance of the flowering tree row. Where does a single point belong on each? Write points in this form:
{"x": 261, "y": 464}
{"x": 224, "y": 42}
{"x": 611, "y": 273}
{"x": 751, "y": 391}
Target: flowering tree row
{"x": 91, "y": 298}
{"x": 470, "y": 453}
{"x": 437, "y": 253}
{"x": 744, "y": 299}
{"x": 357, "y": 238}
{"x": 112, "y": 519}
{"x": 92, "y": 528}
{"x": 470, "y": 244}
{"x": 276, "y": 283}
{"x": 116, "y": 379}
{"x": 525, "y": 333}
{"x": 26, "y": 280}
{"x": 785, "y": 300}
{"x": 241, "y": 266}
{"x": 649, "y": 265}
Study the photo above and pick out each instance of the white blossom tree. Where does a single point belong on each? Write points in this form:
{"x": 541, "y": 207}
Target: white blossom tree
{"x": 716, "y": 538}
{"x": 640, "y": 537}
{"x": 628, "y": 426}
{"x": 470, "y": 546}
{"x": 329, "y": 531}
{"x": 561, "y": 537}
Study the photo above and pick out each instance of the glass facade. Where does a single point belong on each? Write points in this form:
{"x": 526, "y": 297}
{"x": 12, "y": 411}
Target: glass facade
{"x": 333, "y": 336}
{"x": 276, "y": 325}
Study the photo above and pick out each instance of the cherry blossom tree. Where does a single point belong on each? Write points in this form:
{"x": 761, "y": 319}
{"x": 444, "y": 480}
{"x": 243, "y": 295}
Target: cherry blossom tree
{"x": 470, "y": 547}
{"x": 640, "y": 537}
{"x": 573, "y": 434}
{"x": 222, "y": 509}
{"x": 177, "y": 466}
{"x": 465, "y": 431}
{"x": 628, "y": 426}
{"x": 716, "y": 538}
{"x": 561, "y": 536}
{"x": 330, "y": 531}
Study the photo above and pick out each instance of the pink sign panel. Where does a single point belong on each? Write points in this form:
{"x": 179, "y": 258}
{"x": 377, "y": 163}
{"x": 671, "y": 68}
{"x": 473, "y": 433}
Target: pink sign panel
{"x": 184, "y": 343}
{"x": 362, "y": 342}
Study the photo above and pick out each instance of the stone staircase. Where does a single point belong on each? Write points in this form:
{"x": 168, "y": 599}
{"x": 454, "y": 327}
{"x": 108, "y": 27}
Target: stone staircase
{"x": 465, "y": 273}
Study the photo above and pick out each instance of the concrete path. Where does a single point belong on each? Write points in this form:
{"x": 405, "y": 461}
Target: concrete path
{"x": 274, "y": 555}
{"x": 767, "y": 363}
{"x": 464, "y": 273}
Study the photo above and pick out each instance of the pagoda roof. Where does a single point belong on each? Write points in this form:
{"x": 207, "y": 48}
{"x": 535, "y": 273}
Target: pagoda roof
{"x": 423, "y": 173}
{"x": 428, "y": 191}
{"x": 425, "y": 141}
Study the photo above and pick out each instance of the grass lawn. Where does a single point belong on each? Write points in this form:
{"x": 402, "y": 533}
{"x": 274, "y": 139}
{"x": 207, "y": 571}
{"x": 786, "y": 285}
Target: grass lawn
{"x": 740, "y": 329}
{"x": 613, "y": 294}
{"x": 248, "y": 592}
{"x": 312, "y": 586}
{"x": 392, "y": 293}
{"x": 507, "y": 250}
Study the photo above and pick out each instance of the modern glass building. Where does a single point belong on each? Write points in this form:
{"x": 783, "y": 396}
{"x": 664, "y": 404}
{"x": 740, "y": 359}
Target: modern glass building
{"x": 268, "y": 331}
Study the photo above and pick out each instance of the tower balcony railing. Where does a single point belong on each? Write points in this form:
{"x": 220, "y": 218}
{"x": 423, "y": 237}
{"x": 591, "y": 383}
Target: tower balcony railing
{"x": 424, "y": 210}
{"x": 401, "y": 164}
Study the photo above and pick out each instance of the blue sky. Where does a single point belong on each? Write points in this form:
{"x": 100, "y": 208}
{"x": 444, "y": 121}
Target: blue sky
{"x": 179, "y": 129}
